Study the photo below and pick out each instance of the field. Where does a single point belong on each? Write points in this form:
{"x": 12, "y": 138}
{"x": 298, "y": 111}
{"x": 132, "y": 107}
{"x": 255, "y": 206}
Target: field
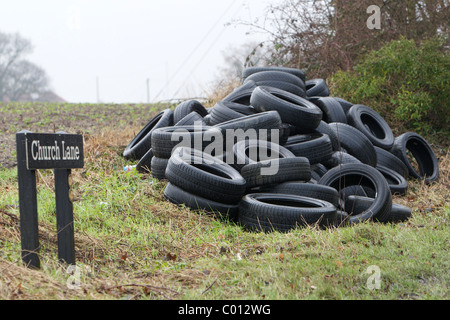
{"x": 132, "y": 244}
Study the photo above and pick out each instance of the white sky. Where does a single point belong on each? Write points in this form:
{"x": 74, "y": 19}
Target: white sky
{"x": 125, "y": 42}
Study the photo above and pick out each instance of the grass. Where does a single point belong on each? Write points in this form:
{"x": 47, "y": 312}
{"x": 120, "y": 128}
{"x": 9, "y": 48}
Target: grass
{"x": 132, "y": 244}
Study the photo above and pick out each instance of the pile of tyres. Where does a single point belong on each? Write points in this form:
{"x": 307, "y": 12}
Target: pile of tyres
{"x": 338, "y": 163}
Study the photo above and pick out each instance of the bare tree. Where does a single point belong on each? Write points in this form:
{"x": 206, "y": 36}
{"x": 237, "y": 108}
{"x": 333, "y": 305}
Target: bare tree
{"x": 19, "y": 78}
{"x": 323, "y": 36}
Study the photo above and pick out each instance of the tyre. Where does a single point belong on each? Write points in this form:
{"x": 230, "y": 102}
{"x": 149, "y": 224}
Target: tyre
{"x": 309, "y": 190}
{"x": 196, "y": 203}
{"x": 186, "y": 107}
{"x": 314, "y": 146}
{"x": 410, "y": 147}
{"x": 397, "y": 183}
{"x": 259, "y": 123}
{"x": 251, "y": 70}
{"x": 225, "y": 111}
{"x": 331, "y": 109}
{"x": 241, "y": 94}
{"x": 145, "y": 163}
{"x": 355, "y": 143}
{"x": 158, "y": 168}
{"x": 251, "y": 151}
{"x": 364, "y": 175}
{"x": 372, "y": 125}
{"x": 201, "y": 174}
{"x": 292, "y": 109}
{"x": 275, "y": 76}
{"x": 339, "y": 158}
{"x": 398, "y": 213}
{"x": 325, "y": 129}
{"x": 317, "y": 88}
{"x": 285, "y": 86}
{"x": 283, "y": 212}
{"x": 277, "y": 171}
{"x": 191, "y": 119}
{"x": 165, "y": 140}
{"x": 142, "y": 142}
{"x": 388, "y": 160}
{"x": 344, "y": 104}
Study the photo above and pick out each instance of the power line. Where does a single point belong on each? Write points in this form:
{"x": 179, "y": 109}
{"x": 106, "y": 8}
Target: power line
{"x": 204, "y": 54}
{"x": 195, "y": 49}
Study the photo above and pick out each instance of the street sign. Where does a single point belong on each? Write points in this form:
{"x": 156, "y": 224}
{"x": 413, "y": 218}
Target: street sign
{"x": 61, "y": 152}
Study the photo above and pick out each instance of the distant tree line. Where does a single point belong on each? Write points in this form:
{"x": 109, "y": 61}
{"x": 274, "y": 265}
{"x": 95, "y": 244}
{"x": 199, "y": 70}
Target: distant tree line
{"x": 20, "y": 79}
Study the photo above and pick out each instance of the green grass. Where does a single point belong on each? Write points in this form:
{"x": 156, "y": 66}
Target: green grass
{"x": 133, "y": 244}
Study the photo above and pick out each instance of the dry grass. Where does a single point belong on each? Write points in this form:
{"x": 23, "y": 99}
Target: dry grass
{"x": 143, "y": 247}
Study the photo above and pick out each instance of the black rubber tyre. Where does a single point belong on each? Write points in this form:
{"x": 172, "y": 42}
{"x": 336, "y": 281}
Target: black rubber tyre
{"x": 414, "y": 144}
{"x": 397, "y": 183}
{"x": 285, "y": 86}
{"x": 158, "y": 168}
{"x": 276, "y": 171}
{"x": 339, "y": 158}
{"x": 283, "y": 212}
{"x": 398, "y": 213}
{"x": 291, "y": 108}
{"x": 314, "y": 146}
{"x": 355, "y": 143}
{"x": 364, "y": 175}
{"x": 225, "y": 111}
{"x": 201, "y": 174}
{"x": 344, "y": 104}
{"x": 388, "y": 160}
{"x": 165, "y": 140}
{"x": 250, "y": 151}
{"x": 192, "y": 118}
{"x": 316, "y": 191}
{"x": 260, "y": 121}
{"x": 251, "y": 70}
{"x": 196, "y": 203}
{"x": 317, "y": 88}
{"x": 373, "y": 126}
{"x": 275, "y": 76}
{"x": 332, "y": 109}
{"x": 142, "y": 142}
{"x": 186, "y": 107}
{"x": 145, "y": 163}
{"x": 241, "y": 94}
{"x": 325, "y": 129}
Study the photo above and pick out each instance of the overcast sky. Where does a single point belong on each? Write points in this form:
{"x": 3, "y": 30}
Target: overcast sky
{"x": 178, "y": 45}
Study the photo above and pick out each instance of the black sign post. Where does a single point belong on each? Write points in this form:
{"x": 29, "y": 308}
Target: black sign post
{"x": 61, "y": 152}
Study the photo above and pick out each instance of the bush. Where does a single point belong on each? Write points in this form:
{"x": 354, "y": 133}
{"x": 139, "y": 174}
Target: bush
{"x": 407, "y": 83}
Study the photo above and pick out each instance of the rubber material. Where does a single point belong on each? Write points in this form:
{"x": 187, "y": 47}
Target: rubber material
{"x": 206, "y": 176}
{"x": 277, "y": 171}
{"x": 421, "y": 151}
{"x": 355, "y": 143}
{"x": 372, "y": 125}
{"x": 142, "y": 142}
{"x": 186, "y": 107}
{"x": 365, "y": 175}
{"x": 291, "y": 108}
{"x": 281, "y": 212}
{"x": 165, "y": 140}
{"x": 196, "y": 203}
{"x": 314, "y": 146}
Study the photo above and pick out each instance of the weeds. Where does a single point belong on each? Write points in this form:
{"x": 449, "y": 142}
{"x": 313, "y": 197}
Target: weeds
{"x": 133, "y": 244}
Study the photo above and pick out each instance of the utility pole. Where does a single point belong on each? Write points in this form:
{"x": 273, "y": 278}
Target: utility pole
{"x": 148, "y": 90}
{"x": 98, "y": 91}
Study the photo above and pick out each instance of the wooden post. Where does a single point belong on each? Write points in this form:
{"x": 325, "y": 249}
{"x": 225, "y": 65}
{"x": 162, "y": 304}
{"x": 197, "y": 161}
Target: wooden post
{"x": 60, "y": 152}
{"x": 27, "y": 205}
{"x": 64, "y": 217}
